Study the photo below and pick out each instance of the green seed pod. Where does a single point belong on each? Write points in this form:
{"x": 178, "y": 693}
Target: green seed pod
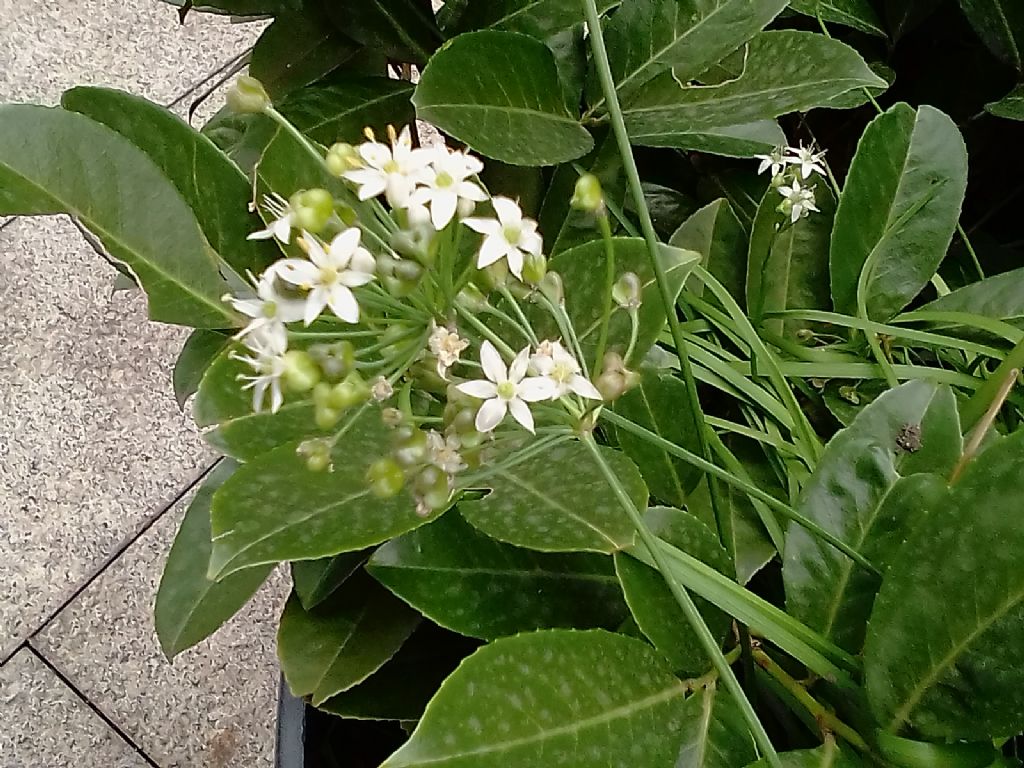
{"x": 313, "y": 208}
{"x": 342, "y": 157}
{"x": 587, "y": 195}
{"x": 552, "y": 288}
{"x": 248, "y": 96}
{"x": 317, "y": 453}
{"x": 628, "y": 291}
{"x": 326, "y": 417}
{"x": 348, "y": 393}
{"x": 385, "y": 478}
{"x": 411, "y": 446}
{"x": 535, "y": 266}
{"x": 301, "y": 372}
{"x": 432, "y": 487}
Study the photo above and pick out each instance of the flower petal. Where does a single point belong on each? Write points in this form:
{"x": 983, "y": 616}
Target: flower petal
{"x": 480, "y": 389}
{"x": 584, "y": 388}
{"x": 343, "y": 246}
{"x": 509, "y": 212}
{"x": 488, "y": 227}
{"x": 343, "y": 303}
{"x": 494, "y": 249}
{"x": 519, "y": 365}
{"x": 297, "y": 272}
{"x": 442, "y": 208}
{"x": 470, "y": 191}
{"x": 515, "y": 261}
{"x": 362, "y": 261}
{"x": 536, "y": 388}
{"x": 521, "y": 413}
{"x": 315, "y": 303}
{"x": 490, "y": 415}
{"x": 491, "y": 362}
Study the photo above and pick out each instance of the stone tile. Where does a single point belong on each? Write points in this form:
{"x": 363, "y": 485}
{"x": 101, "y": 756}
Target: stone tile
{"x": 92, "y": 443}
{"x": 137, "y": 45}
{"x": 215, "y": 706}
{"x": 43, "y": 724}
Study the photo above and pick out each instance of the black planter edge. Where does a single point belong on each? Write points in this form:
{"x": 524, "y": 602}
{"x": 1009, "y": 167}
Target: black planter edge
{"x": 291, "y": 727}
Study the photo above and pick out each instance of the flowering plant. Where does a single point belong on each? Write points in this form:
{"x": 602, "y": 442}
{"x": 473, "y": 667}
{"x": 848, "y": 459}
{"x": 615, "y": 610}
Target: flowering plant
{"x": 557, "y": 490}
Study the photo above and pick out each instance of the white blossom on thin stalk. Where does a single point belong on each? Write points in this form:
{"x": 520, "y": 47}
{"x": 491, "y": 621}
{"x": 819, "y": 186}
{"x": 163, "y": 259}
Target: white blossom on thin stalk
{"x": 447, "y": 188}
{"x": 282, "y": 223}
{"x": 798, "y": 200}
{"x": 394, "y": 171}
{"x": 774, "y": 161}
{"x": 268, "y": 311}
{"x": 509, "y": 236}
{"x": 443, "y": 452}
{"x": 505, "y": 390}
{"x": 329, "y": 274}
{"x": 266, "y": 358}
{"x": 806, "y": 160}
{"x": 446, "y": 345}
{"x": 554, "y": 363}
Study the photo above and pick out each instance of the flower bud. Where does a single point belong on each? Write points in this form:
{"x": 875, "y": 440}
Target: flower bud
{"x": 342, "y": 157}
{"x": 628, "y": 291}
{"x": 615, "y": 379}
{"x": 392, "y": 417}
{"x": 382, "y": 389}
{"x": 411, "y": 446}
{"x": 385, "y": 478}
{"x": 336, "y": 360}
{"x": 535, "y": 266}
{"x": 587, "y": 196}
{"x": 472, "y": 299}
{"x": 352, "y": 391}
{"x": 409, "y": 271}
{"x": 301, "y": 373}
{"x": 317, "y": 453}
{"x": 493, "y": 276}
{"x": 432, "y": 488}
{"x": 247, "y": 96}
{"x": 553, "y": 289}
{"x": 312, "y": 208}
{"x": 326, "y": 417}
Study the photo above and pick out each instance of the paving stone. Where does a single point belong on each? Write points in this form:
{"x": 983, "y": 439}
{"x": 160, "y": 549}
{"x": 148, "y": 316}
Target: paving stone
{"x": 93, "y": 441}
{"x": 215, "y": 706}
{"x": 43, "y": 724}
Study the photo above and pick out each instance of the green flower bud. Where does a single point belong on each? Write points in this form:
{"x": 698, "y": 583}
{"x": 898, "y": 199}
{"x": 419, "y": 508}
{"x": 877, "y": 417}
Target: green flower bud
{"x": 336, "y": 360}
{"x": 587, "y": 196}
{"x": 398, "y": 287}
{"x": 407, "y": 270}
{"x": 352, "y": 391}
{"x": 432, "y": 488}
{"x": 535, "y": 266}
{"x": 385, "y": 478}
{"x": 317, "y": 453}
{"x": 628, "y": 291}
{"x": 552, "y": 288}
{"x": 471, "y": 298}
{"x": 493, "y": 276}
{"x": 326, "y": 417}
{"x": 342, "y": 157}
{"x": 411, "y": 446}
{"x": 301, "y": 372}
{"x": 313, "y": 208}
{"x": 247, "y": 96}
{"x": 615, "y": 379}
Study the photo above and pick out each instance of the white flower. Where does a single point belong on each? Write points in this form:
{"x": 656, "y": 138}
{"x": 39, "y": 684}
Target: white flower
{"x": 505, "y": 390}
{"x": 443, "y": 452}
{"x": 382, "y": 389}
{"x": 807, "y": 159}
{"x": 330, "y": 274}
{"x": 446, "y": 346}
{"x": 267, "y": 360}
{"x": 284, "y": 220}
{"x": 394, "y": 170}
{"x": 555, "y": 364}
{"x": 269, "y": 311}
{"x": 798, "y": 201}
{"x": 446, "y": 187}
{"x": 774, "y": 160}
{"x": 509, "y": 236}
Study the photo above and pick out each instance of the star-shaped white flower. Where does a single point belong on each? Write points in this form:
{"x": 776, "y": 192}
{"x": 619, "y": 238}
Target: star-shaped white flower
{"x": 446, "y": 346}
{"x": 268, "y": 311}
{"x": 774, "y": 161}
{"x": 798, "y": 200}
{"x": 330, "y": 274}
{"x": 510, "y": 236}
{"x": 443, "y": 452}
{"x": 447, "y": 189}
{"x": 553, "y": 362}
{"x": 267, "y": 361}
{"x": 282, "y": 223}
{"x": 394, "y": 170}
{"x": 806, "y": 159}
{"x": 505, "y": 389}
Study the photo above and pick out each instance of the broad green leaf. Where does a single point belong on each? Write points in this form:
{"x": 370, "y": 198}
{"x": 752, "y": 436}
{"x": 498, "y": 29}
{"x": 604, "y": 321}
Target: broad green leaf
{"x": 757, "y": 138}
{"x": 473, "y": 584}
{"x": 1011, "y": 106}
{"x": 942, "y": 652}
{"x": 216, "y": 191}
{"x": 316, "y": 580}
{"x": 402, "y": 29}
{"x": 558, "y": 501}
{"x": 714, "y": 733}
{"x": 587, "y": 699}
{"x": 342, "y": 641}
{"x": 275, "y": 509}
{"x": 569, "y": 47}
{"x": 659, "y": 404}
{"x": 668, "y": 207}
{"x": 340, "y": 111}
{"x": 857, "y": 14}
{"x": 200, "y": 350}
{"x": 651, "y": 602}
{"x": 787, "y": 265}
{"x": 648, "y": 37}
{"x": 899, "y": 207}
{"x": 785, "y": 71}
{"x": 55, "y": 161}
{"x": 189, "y": 606}
{"x": 855, "y": 494}
{"x": 861, "y": 96}
{"x": 999, "y": 296}
{"x": 828, "y": 756}
{"x": 537, "y": 18}
{"x": 510, "y": 109}
{"x": 716, "y": 234}
{"x": 1000, "y": 25}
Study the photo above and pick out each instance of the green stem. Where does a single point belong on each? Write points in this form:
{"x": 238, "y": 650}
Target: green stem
{"x": 606, "y": 315}
{"x": 707, "y": 640}
{"x": 989, "y": 391}
{"x": 484, "y": 331}
{"x": 523, "y": 320}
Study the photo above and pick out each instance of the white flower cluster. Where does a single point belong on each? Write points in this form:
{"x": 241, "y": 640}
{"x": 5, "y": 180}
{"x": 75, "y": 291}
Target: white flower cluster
{"x": 789, "y": 166}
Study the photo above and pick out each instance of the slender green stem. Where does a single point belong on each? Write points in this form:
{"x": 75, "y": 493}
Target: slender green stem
{"x": 988, "y": 392}
{"x": 707, "y": 640}
{"x": 565, "y": 327}
{"x": 523, "y": 319}
{"x": 484, "y": 331}
{"x": 862, "y": 313}
{"x": 609, "y": 284}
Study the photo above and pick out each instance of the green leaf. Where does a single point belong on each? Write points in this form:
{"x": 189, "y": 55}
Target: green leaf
{"x": 316, "y": 580}
{"x": 828, "y": 756}
{"x": 537, "y": 18}
{"x": 1000, "y": 25}
{"x": 999, "y": 296}
{"x": 659, "y": 404}
{"x": 470, "y": 583}
{"x": 717, "y": 235}
{"x": 648, "y": 37}
{"x": 214, "y": 188}
{"x": 340, "y": 112}
{"x": 787, "y": 265}
{"x": 54, "y": 161}
{"x": 511, "y": 109}
{"x": 200, "y": 350}
{"x": 854, "y": 494}
{"x": 857, "y": 14}
{"x": 402, "y": 29}
{"x": 902, "y": 16}
{"x": 668, "y": 207}
{"x": 714, "y": 733}
{"x": 655, "y": 608}
{"x": 343, "y": 640}
{"x": 898, "y": 209}
{"x": 943, "y": 645}
{"x": 757, "y": 138}
{"x": 586, "y": 699}
{"x": 275, "y": 509}
{"x": 785, "y": 71}
{"x": 189, "y": 606}
{"x": 1011, "y": 106}
{"x": 558, "y": 501}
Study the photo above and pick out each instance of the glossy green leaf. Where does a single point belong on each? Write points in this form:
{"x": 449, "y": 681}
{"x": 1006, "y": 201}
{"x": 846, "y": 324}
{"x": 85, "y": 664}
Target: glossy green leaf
{"x": 200, "y": 350}
{"x": 787, "y": 265}
{"x": 828, "y": 756}
{"x": 942, "y": 651}
{"x": 858, "y": 14}
{"x": 648, "y": 37}
{"x": 275, "y": 509}
{"x": 189, "y": 606}
{"x": 558, "y": 501}
{"x": 785, "y": 71}
{"x": 537, "y": 18}
{"x": 1000, "y": 25}
{"x": 714, "y": 733}
{"x": 586, "y": 699}
{"x": 340, "y": 111}
{"x": 854, "y": 494}
{"x": 55, "y": 161}
{"x": 668, "y": 207}
{"x": 511, "y": 109}
{"x": 652, "y": 603}
{"x": 316, "y": 580}
{"x": 898, "y": 209}
{"x": 716, "y": 234}
{"x": 999, "y": 296}
{"x": 1011, "y": 106}
{"x": 569, "y": 47}
{"x": 861, "y": 96}
{"x": 757, "y": 138}
{"x": 473, "y": 584}
{"x": 342, "y": 641}
{"x": 402, "y": 29}
{"x": 659, "y": 404}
